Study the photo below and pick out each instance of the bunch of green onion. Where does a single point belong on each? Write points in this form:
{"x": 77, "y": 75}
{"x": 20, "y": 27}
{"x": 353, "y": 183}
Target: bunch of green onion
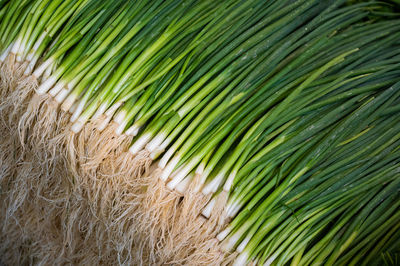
{"x": 289, "y": 107}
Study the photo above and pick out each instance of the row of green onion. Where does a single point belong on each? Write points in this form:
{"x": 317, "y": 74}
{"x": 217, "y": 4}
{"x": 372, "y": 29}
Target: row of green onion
{"x": 289, "y": 107}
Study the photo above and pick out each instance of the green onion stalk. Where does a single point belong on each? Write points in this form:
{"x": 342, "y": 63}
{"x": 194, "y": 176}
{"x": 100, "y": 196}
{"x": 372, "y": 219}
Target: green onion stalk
{"x": 243, "y": 231}
{"x": 235, "y": 117}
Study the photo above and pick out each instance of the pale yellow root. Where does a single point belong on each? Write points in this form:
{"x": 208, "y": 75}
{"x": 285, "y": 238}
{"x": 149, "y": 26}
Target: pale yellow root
{"x": 84, "y": 199}
{"x": 90, "y": 147}
{"x": 101, "y": 162}
{"x": 193, "y": 237}
{"x": 160, "y": 208}
{"x": 186, "y": 225}
{"x": 33, "y": 194}
{"x": 31, "y": 199}
{"x": 20, "y": 68}
{"x": 53, "y": 223}
{"x": 17, "y": 90}
{"x": 177, "y": 234}
{"x": 45, "y": 216}
{"x": 57, "y": 217}
{"x": 8, "y": 76}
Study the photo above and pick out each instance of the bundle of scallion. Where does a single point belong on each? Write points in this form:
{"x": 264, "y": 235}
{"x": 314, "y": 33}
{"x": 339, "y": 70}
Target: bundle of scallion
{"x": 201, "y": 132}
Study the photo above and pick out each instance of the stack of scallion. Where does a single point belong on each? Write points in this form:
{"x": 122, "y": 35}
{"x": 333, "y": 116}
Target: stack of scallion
{"x": 200, "y": 132}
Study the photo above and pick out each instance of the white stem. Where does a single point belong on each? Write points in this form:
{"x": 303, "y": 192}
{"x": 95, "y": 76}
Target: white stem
{"x": 48, "y": 72}
{"x": 72, "y": 108}
{"x": 206, "y": 212}
{"x": 179, "y": 176}
{"x": 140, "y": 143}
{"x": 156, "y": 153}
{"x": 241, "y": 259}
{"x": 236, "y": 210}
{"x": 270, "y": 260}
{"x": 32, "y": 58}
{"x": 78, "y": 111}
{"x": 45, "y": 86}
{"x": 32, "y": 62}
{"x": 230, "y": 242}
{"x": 5, "y": 53}
{"x": 199, "y": 171}
{"x": 170, "y": 167}
{"x": 31, "y": 54}
{"x": 29, "y": 57}
{"x": 120, "y": 117}
{"x": 57, "y": 88}
{"x": 133, "y": 130}
{"x": 229, "y": 181}
{"x": 156, "y": 142}
{"x": 111, "y": 111}
{"x": 16, "y": 46}
{"x": 100, "y": 111}
{"x": 184, "y": 185}
{"x": 109, "y": 115}
{"x": 184, "y": 172}
{"x": 189, "y": 167}
{"x": 121, "y": 127}
{"x": 206, "y": 172}
{"x": 104, "y": 123}
{"x": 174, "y": 173}
{"x": 62, "y": 95}
{"x": 233, "y": 209}
{"x": 78, "y": 125}
{"x": 165, "y": 143}
{"x": 243, "y": 244}
{"x": 160, "y": 149}
{"x": 40, "y": 69}
{"x": 222, "y": 235}
{"x": 200, "y": 168}
{"x": 183, "y": 111}
{"x": 213, "y": 185}
{"x": 164, "y": 160}
{"x": 71, "y": 85}
{"x": 20, "y": 52}
{"x": 68, "y": 102}
{"x": 36, "y": 46}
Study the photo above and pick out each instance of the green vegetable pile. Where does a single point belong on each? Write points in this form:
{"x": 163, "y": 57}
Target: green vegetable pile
{"x": 200, "y": 131}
